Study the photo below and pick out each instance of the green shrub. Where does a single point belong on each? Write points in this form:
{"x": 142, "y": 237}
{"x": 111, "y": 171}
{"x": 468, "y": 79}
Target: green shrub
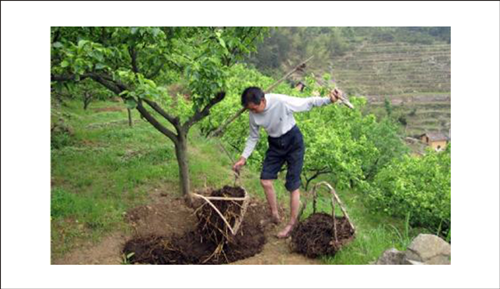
{"x": 60, "y": 134}
{"x": 418, "y": 186}
{"x": 60, "y": 140}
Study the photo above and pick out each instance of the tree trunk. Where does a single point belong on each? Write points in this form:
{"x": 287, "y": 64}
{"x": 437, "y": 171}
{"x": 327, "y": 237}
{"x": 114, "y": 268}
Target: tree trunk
{"x": 182, "y": 160}
{"x": 179, "y": 139}
{"x": 87, "y": 98}
{"x": 129, "y": 117}
{"x": 86, "y": 103}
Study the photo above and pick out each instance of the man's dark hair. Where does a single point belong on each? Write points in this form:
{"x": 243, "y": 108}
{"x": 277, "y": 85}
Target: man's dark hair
{"x": 251, "y": 94}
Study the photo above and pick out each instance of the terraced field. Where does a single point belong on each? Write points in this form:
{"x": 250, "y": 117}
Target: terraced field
{"x": 416, "y": 78}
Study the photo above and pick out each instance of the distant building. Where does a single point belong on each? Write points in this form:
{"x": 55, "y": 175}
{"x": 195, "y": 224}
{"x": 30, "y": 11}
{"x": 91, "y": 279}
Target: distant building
{"x": 436, "y": 140}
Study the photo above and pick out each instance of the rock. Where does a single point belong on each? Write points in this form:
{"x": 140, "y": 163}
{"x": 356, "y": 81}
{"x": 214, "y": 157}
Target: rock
{"x": 411, "y": 262}
{"x": 439, "y": 260}
{"x": 425, "y": 249}
{"x": 428, "y": 249}
{"x": 391, "y": 257}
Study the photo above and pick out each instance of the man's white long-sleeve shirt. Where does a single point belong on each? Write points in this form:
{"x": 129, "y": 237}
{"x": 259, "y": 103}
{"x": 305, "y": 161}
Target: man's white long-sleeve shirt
{"x": 277, "y": 118}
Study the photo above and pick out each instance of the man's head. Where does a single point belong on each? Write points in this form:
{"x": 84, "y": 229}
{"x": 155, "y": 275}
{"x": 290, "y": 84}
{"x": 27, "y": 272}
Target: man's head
{"x": 253, "y": 98}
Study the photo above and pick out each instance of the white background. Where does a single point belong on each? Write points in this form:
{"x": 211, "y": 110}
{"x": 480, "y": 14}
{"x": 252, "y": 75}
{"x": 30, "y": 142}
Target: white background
{"x": 26, "y": 142}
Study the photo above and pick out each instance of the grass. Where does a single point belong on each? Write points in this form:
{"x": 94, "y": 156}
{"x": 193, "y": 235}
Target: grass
{"x": 108, "y": 167}
{"x": 104, "y": 168}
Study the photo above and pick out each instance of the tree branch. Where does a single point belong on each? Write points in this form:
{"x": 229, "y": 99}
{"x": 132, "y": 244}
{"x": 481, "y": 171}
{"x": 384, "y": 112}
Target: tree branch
{"x": 103, "y": 37}
{"x": 113, "y": 85}
{"x": 158, "y": 109}
{"x": 317, "y": 172}
{"x": 118, "y": 87}
{"x": 116, "y": 82}
{"x": 198, "y": 115}
{"x": 235, "y": 50}
{"x": 161, "y": 128}
{"x": 57, "y": 34}
{"x": 62, "y": 77}
{"x": 155, "y": 72}
{"x": 133, "y": 56}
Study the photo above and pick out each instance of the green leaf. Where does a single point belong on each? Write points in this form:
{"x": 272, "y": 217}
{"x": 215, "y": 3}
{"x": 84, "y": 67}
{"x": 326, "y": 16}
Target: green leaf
{"x": 99, "y": 66}
{"x": 156, "y": 31}
{"x": 123, "y": 92}
{"x": 222, "y": 43}
{"x": 82, "y": 42}
{"x": 57, "y": 45}
{"x": 131, "y": 103}
{"x": 64, "y": 63}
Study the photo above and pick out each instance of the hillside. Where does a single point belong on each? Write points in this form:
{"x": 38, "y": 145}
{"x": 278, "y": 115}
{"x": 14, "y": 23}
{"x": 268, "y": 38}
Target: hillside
{"x": 415, "y": 78}
{"x": 394, "y": 69}
{"x": 109, "y": 181}
{"x": 410, "y": 66}
{"x": 122, "y": 167}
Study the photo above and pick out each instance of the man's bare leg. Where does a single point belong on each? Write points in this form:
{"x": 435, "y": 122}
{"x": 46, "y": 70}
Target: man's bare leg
{"x": 294, "y": 213}
{"x": 271, "y": 200}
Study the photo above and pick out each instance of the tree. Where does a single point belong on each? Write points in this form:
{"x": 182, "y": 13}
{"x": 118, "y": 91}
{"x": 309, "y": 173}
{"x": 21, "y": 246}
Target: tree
{"x": 137, "y": 63}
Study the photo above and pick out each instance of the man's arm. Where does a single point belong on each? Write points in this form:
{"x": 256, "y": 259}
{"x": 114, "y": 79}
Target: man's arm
{"x": 297, "y": 104}
{"x": 252, "y": 140}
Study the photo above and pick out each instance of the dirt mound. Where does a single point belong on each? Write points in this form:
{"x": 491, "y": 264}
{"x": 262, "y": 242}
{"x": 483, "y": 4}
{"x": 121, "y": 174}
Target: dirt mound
{"x": 165, "y": 219}
{"x": 210, "y": 224}
{"x": 315, "y": 236}
{"x": 185, "y": 249}
{"x": 210, "y": 242}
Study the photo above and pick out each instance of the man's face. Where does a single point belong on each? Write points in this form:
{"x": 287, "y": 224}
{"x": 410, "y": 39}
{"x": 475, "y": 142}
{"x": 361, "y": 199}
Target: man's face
{"x": 257, "y": 108}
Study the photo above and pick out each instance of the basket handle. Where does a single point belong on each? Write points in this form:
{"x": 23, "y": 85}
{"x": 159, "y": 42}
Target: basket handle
{"x": 335, "y": 199}
{"x": 239, "y": 220}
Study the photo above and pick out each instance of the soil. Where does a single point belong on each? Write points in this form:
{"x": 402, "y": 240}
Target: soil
{"x": 165, "y": 216}
{"x": 210, "y": 242}
{"x": 163, "y": 219}
{"x": 315, "y": 235}
{"x": 107, "y": 251}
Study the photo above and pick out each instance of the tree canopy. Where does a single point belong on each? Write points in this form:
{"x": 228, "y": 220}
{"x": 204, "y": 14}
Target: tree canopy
{"x": 139, "y": 63}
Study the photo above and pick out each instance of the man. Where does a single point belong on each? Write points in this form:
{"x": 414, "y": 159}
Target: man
{"x": 274, "y": 112}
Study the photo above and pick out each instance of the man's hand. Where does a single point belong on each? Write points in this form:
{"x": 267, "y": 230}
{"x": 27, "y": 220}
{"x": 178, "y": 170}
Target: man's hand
{"x": 237, "y": 166}
{"x": 335, "y": 95}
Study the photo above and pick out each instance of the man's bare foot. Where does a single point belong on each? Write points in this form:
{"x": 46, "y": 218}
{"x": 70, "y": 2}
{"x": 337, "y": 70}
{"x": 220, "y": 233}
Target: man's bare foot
{"x": 285, "y": 233}
{"x": 276, "y": 219}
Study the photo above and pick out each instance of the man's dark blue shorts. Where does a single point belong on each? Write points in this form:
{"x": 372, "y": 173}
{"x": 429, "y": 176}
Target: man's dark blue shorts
{"x": 287, "y": 148}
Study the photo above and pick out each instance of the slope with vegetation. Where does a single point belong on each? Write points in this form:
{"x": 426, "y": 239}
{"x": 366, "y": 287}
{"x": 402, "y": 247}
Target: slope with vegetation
{"x": 410, "y": 66}
{"x": 147, "y": 130}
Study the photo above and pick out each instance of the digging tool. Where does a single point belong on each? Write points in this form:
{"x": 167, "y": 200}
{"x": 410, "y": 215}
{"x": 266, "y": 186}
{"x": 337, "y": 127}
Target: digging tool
{"x": 219, "y": 131}
{"x": 345, "y": 101}
{"x": 342, "y": 98}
